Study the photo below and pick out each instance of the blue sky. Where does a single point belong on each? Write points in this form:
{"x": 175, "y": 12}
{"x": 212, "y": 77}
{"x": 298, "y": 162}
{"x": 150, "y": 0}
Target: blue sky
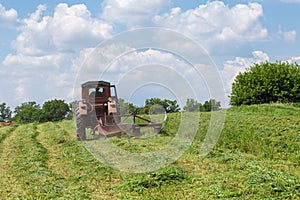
{"x": 44, "y": 43}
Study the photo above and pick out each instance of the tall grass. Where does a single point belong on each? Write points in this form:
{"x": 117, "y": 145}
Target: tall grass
{"x": 257, "y": 157}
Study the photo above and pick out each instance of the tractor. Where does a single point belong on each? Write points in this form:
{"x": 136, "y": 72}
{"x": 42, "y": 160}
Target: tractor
{"x": 99, "y": 110}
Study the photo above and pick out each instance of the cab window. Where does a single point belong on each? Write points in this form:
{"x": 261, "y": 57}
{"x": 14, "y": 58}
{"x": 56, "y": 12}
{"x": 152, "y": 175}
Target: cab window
{"x": 97, "y": 92}
{"x": 112, "y": 91}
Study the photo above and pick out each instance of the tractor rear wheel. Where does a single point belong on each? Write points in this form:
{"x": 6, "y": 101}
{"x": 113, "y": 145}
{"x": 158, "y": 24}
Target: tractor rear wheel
{"x": 81, "y": 126}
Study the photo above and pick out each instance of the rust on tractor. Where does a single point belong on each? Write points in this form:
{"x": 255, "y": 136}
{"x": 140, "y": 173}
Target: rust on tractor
{"x": 5, "y": 123}
{"x": 99, "y": 111}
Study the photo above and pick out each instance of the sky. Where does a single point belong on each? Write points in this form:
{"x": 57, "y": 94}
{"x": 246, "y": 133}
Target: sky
{"x": 46, "y": 46}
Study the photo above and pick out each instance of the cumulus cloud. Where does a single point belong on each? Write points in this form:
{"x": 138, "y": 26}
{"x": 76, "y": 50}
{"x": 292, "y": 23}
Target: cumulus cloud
{"x": 295, "y": 59}
{"x": 217, "y": 22}
{"x": 32, "y": 62}
{"x": 46, "y": 49}
{"x": 138, "y": 69}
{"x": 8, "y": 18}
{"x": 209, "y": 23}
{"x": 70, "y": 28}
{"x": 176, "y": 78}
{"x": 132, "y": 12}
{"x": 289, "y": 36}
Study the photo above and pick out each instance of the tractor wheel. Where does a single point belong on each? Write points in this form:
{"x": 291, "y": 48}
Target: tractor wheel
{"x": 81, "y": 126}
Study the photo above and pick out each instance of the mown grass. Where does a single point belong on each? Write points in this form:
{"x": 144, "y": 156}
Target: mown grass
{"x": 257, "y": 157}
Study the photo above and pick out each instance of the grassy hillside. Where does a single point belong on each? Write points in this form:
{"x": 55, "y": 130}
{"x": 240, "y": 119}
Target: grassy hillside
{"x": 257, "y": 157}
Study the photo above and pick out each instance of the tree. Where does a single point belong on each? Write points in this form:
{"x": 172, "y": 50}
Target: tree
{"x": 28, "y": 112}
{"x": 192, "y": 105}
{"x": 126, "y": 108}
{"x": 211, "y": 105}
{"x": 267, "y": 82}
{"x": 55, "y": 110}
{"x": 169, "y": 106}
{"x": 5, "y": 112}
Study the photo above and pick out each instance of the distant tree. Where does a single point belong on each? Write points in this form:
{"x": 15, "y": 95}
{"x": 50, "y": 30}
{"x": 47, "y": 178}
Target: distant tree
{"x": 267, "y": 82}
{"x": 192, "y": 105}
{"x": 211, "y": 105}
{"x": 28, "y": 112}
{"x": 5, "y": 112}
{"x": 55, "y": 110}
{"x": 126, "y": 108}
{"x": 169, "y": 106}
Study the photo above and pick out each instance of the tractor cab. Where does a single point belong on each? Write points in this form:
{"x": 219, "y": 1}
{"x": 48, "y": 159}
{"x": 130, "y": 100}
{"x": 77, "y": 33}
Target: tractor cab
{"x": 97, "y": 92}
{"x": 101, "y": 97}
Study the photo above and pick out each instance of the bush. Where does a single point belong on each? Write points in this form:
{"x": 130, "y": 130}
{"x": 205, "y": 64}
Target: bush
{"x": 28, "y": 112}
{"x": 54, "y": 110}
{"x": 266, "y": 83}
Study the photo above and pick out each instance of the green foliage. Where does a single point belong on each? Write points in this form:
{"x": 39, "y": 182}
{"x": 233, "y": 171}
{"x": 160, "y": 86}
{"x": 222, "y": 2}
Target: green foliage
{"x": 211, "y": 105}
{"x": 170, "y": 106}
{"x": 5, "y": 112}
{"x": 54, "y": 110}
{"x": 28, "y": 112}
{"x": 152, "y": 106}
{"x": 265, "y": 83}
{"x": 126, "y": 108}
{"x": 193, "y": 106}
{"x": 172, "y": 124}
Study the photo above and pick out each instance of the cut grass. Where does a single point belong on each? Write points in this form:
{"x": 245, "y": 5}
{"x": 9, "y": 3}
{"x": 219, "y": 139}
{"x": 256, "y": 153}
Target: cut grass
{"x": 257, "y": 157}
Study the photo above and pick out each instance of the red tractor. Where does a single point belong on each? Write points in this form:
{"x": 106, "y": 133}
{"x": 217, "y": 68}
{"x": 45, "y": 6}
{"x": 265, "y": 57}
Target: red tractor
{"x": 99, "y": 111}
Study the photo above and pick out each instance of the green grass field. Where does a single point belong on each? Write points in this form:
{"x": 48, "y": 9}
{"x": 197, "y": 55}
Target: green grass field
{"x": 257, "y": 157}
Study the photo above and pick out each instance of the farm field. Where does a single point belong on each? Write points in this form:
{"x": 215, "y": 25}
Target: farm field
{"x": 257, "y": 157}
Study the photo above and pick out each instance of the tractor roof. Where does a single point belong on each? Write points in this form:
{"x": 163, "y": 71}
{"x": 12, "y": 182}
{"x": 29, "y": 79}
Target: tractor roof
{"x": 103, "y": 83}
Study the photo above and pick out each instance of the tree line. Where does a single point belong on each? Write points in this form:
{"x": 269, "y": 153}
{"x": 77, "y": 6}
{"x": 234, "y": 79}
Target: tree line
{"x": 159, "y": 106}
{"x": 56, "y": 110}
{"x": 27, "y": 112}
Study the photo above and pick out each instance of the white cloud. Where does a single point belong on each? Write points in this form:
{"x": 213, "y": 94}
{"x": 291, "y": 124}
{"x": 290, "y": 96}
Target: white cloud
{"x": 69, "y": 29}
{"x": 132, "y": 12}
{"x": 294, "y": 60}
{"x": 135, "y": 69}
{"x": 288, "y": 35}
{"x": 45, "y": 52}
{"x": 32, "y": 62}
{"x": 8, "y": 18}
{"x": 216, "y": 21}
{"x": 20, "y": 93}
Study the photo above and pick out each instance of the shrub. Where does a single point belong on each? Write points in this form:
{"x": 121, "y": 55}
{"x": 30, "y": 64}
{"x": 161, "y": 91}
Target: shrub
{"x": 265, "y": 83}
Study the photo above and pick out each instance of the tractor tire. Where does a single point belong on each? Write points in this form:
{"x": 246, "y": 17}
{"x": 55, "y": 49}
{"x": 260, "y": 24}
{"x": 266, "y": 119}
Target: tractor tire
{"x": 81, "y": 121}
